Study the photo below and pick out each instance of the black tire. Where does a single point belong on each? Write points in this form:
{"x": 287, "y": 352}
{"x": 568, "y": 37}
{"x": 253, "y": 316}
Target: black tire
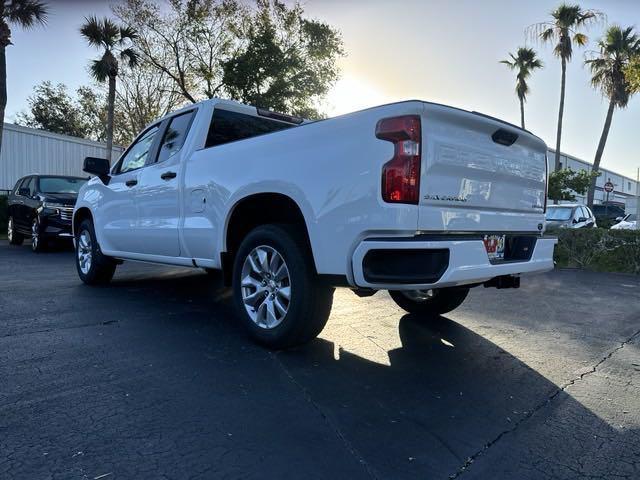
{"x": 309, "y": 303}
{"x": 101, "y": 268}
{"x": 442, "y": 301}
{"x": 14, "y": 237}
{"x": 38, "y": 241}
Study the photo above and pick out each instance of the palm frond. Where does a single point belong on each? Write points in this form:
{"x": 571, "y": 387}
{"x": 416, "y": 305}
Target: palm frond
{"x": 547, "y": 35}
{"x": 26, "y": 13}
{"x": 130, "y": 56}
{"x": 580, "y": 39}
{"x": 92, "y": 32}
{"x": 100, "y": 69}
{"x": 100, "y": 33}
{"x": 618, "y": 48}
{"x": 127, "y": 33}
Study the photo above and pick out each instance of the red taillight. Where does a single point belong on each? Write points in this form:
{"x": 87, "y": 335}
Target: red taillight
{"x": 401, "y": 174}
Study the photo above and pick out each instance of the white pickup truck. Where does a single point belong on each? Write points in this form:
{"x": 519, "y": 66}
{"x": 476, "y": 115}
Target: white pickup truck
{"x": 417, "y": 198}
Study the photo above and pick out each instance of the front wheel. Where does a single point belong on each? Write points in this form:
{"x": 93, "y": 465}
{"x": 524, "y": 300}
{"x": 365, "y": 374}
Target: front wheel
{"x": 276, "y": 290}
{"x": 93, "y": 267}
{"x": 15, "y": 238}
{"x": 432, "y": 302}
{"x": 38, "y": 242}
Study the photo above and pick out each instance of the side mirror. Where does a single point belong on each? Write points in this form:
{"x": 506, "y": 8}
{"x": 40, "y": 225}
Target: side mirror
{"x": 619, "y": 219}
{"x": 24, "y": 192}
{"x": 98, "y": 167}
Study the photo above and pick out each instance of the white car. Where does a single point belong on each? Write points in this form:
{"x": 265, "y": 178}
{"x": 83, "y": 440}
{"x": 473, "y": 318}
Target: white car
{"x": 417, "y": 198}
{"x": 628, "y": 222}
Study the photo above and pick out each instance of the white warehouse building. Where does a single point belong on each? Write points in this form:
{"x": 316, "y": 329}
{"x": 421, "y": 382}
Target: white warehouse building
{"x": 624, "y": 188}
{"x": 28, "y": 151}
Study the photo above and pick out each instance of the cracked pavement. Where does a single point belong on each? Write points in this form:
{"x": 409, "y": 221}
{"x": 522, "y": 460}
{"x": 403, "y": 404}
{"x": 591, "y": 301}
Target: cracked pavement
{"x": 151, "y": 377}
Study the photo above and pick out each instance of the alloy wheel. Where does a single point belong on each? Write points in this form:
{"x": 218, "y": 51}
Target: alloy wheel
{"x": 10, "y": 229}
{"x": 35, "y": 235}
{"x": 84, "y": 252}
{"x": 266, "y": 287}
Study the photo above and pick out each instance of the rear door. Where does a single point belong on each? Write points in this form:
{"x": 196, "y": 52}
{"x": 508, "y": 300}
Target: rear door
{"x": 479, "y": 174}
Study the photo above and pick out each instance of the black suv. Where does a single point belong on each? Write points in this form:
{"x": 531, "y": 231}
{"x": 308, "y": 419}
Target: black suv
{"x": 606, "y": 215}
{"x": 41, "y": 208}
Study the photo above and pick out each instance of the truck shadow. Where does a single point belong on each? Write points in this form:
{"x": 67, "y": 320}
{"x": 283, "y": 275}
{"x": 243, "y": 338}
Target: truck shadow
{"x": 447, "y": 395}
{"x": 421, "y": 410}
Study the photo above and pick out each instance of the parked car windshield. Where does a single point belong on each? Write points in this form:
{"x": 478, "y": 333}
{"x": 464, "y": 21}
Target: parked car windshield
{"x": 632, "y": 217}
{"x": 558, "y": 213}
{"x": 60, "y": 184}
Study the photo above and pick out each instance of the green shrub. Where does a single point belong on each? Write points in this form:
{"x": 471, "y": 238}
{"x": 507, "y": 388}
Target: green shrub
{"x": 599, "y": 249}
{"x": 3, "y": 215}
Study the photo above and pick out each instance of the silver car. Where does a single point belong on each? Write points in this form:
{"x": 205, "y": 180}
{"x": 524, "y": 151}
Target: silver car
{"x": 569, "y": 215}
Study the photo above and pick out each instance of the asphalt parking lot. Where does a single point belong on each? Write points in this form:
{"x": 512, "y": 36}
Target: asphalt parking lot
{"x": 151, "y": 377}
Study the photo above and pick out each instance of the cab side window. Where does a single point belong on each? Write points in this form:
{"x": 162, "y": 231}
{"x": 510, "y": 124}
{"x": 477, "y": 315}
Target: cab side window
{"x": 137, "y": 155}
{"x": 23, "y": 182}
{"x": 30, "y": 183}
{"x": 577, "y": 214}
{"x": 175, "y": 135}
{"x": 581, "y": 213}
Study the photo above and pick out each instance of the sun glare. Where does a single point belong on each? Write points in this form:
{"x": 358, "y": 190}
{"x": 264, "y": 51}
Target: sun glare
{"x": 350, "y": 94}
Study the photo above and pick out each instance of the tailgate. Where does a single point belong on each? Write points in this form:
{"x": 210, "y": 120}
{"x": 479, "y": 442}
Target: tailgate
{"x": 474, "y": 179}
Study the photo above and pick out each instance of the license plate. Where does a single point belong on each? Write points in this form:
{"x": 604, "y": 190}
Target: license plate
{"x": 494, "y": 245}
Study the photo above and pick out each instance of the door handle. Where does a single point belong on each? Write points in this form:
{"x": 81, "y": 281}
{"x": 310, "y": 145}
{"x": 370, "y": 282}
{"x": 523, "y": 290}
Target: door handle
{"x": 168, "y": 175}
{"x": 131, "y": 183}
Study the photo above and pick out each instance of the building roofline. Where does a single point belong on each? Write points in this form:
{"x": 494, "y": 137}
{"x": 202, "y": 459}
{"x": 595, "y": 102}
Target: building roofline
{"x": 57, "y": 136}
{"x": 591, "y": 164}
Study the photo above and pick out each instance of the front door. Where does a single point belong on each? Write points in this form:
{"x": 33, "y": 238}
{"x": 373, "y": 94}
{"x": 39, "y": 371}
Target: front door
{"x": 120, "y": 213}
{"x": 158, "y": 195}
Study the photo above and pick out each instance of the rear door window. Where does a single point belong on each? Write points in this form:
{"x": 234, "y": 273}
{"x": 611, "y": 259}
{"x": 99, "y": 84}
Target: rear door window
{"x": 227, "y": 126}
{"x": 175, "y": 135}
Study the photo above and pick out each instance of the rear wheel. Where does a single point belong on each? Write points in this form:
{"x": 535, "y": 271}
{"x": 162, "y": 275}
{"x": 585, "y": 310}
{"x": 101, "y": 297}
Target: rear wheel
{"x": 276, "y": 290}
{"x": 13, "y": 236}
{"x": 432, "y": 302}
{"x": 93, "y": 267}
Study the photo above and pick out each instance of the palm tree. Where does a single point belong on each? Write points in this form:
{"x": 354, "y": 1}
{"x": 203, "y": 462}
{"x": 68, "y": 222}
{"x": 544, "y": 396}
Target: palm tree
{"x": 25, "y": 13}
{"x": 563, "y": 31}
{"x": 525, "y": 61}
{"x": 115, "y": 40}
{"x": 617, "y": 49}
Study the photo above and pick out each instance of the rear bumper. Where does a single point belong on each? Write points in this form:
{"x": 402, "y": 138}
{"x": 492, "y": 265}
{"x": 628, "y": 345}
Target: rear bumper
{"x": 446, "y": 263}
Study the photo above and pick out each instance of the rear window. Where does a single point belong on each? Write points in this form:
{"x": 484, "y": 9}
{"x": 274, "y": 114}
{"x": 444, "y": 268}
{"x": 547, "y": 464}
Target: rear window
{"x": 60, "y": 185}
{"x": 559, "y": 213}
{"x": 227, "y": 126}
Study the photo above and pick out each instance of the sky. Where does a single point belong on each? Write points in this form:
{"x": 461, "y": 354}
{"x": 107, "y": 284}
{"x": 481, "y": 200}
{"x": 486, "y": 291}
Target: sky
{"x": 434, "y": 50}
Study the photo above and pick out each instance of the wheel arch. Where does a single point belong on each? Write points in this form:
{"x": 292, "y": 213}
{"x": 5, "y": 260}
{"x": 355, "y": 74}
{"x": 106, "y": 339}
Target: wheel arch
{"x": 79, "y": 216}
{"x": 255, "y": 210}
